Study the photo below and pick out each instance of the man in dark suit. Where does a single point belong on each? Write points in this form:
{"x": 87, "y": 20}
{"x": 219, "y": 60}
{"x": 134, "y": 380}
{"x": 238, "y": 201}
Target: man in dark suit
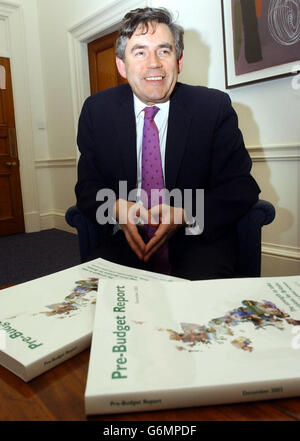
{"x": 200, "y": 144}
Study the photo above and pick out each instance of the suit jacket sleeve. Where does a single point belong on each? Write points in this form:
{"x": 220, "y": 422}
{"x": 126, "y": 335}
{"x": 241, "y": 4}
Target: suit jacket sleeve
{"x": 90, "y": 178}
{"x": 231, "y": 190}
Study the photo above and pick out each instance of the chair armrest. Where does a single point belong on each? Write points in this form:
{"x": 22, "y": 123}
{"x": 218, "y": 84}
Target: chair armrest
{"x": 89, "y": 233}
{"x": 261, "y": 213}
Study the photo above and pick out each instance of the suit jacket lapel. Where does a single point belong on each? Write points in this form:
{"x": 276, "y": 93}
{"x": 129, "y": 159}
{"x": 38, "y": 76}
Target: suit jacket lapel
{"x": 125, "y": 127}
{"x": 178, "y": 129}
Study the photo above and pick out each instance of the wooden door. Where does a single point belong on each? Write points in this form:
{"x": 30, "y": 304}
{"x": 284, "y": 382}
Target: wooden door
{"x": 11, "y": 207}
{"x": 102, "y": 65}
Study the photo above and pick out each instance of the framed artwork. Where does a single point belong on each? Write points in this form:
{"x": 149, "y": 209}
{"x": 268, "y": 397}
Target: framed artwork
{"x": 261, "y": 40}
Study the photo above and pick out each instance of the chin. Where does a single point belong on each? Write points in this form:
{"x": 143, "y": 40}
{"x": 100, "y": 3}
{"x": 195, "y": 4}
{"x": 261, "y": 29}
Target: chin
{"x": 157, "y": 98}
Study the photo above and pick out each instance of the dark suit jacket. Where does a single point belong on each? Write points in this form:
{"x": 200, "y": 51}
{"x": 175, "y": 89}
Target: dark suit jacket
{"x": 204, "y": 150}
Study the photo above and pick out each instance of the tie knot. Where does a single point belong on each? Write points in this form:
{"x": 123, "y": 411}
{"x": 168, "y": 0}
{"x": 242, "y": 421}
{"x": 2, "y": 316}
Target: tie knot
{"x": 150, "y": 112}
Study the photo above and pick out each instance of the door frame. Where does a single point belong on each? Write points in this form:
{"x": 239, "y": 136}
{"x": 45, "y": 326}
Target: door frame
{"x": 11, "y": 12}
{"x": 99, "y": 24}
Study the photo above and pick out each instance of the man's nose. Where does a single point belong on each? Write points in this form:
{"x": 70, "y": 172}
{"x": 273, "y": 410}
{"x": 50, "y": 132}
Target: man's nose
{"x": 154, "y": 60}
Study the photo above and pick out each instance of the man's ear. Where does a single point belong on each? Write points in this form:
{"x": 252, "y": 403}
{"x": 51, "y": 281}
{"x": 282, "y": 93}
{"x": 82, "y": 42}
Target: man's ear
{"x": 180, "y": 63}
{"x": 121, "y": 67}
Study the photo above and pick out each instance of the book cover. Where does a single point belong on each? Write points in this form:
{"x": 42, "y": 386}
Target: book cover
{"x": 166, "y": 345}
{"x": 48, "y": 320}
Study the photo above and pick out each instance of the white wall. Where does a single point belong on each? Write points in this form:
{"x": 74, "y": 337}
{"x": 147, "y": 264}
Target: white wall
{"x": 268, "y": 114}
{"x": 55, "y": 18}
{"x": 204, "y": 64}
{"x": 269, "y": 118}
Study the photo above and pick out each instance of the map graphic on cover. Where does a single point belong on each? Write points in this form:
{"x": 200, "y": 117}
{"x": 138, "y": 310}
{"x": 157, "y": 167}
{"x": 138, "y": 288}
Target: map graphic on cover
{"x": 48, "y": 320}
{"x": 166, "y": 345}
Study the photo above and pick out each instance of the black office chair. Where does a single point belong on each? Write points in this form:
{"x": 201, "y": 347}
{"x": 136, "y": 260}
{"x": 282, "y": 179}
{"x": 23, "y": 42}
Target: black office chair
{"x": 248, "y": 229}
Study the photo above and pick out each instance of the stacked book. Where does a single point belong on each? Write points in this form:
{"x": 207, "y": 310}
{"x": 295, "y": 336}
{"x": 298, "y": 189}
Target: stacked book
{"x": 157, "y": 342}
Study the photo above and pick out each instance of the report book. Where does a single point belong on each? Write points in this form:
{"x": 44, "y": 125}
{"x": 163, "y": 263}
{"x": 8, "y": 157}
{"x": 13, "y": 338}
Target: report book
{"x": 165, "y": 345}
{"x": 48, "y": 320}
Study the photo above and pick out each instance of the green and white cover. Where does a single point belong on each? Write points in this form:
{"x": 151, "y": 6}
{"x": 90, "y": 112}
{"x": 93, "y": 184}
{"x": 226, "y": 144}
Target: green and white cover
{"x": 165, "y": 345}
{"x": 48, "y": 320}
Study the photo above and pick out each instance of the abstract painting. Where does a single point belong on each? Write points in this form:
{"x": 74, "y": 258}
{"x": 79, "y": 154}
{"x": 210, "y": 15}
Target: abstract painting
{"x": 261, "y": 39}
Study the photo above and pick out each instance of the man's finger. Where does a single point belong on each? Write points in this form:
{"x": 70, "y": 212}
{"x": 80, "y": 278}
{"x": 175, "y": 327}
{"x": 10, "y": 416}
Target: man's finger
{"x": 138, "y": 215}
{"x": 135, "y": 241}
{"x": 156, "y": 212}
{"x": 164, "y": 213}
{"x": 160, "y": 236}
{"x": 147, "y": 217}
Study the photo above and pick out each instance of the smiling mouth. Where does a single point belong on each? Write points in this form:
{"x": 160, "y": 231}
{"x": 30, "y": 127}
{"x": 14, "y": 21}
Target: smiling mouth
{"x": 154, "y": 78}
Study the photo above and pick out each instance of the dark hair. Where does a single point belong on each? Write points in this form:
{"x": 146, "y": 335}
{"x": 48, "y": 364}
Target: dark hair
{"x": 145, "y": 16}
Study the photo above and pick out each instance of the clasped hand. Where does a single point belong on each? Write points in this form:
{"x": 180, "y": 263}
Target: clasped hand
{"x": 167, "y": 219}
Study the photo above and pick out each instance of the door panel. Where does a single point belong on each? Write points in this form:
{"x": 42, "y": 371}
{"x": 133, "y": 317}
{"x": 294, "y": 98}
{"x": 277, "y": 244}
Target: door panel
{"x": 2, "y": 120}
{"x": 102, "y": 65}
{"x": 6, "y": 209}
{"x": 11, "y": 207}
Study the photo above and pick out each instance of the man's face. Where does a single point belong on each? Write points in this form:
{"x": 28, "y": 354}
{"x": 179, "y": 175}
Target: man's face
{"x": 150, "y": 65}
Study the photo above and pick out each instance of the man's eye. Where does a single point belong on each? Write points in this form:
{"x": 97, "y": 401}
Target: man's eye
{"x": 139, "y": 54}
{"x": 164, "y": 52}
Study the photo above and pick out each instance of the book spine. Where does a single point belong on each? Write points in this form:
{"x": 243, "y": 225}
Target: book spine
{"x": 55, "y": 358}
{"x": 191, "y": 397}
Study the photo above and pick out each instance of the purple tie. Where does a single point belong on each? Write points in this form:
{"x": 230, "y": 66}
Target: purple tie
{"x": 152, "y": 179}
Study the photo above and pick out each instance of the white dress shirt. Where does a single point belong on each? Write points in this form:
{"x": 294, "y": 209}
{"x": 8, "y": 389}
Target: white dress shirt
{"x": 161, "y": 121}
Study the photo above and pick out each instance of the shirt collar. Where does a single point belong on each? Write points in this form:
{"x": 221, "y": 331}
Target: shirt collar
{"x": 139, "y": 106}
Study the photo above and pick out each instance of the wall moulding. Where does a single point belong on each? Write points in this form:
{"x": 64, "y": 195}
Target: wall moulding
{"x": 282, "y": 251}
{"x": 55, "y": 162}
{"x": 55, "y": 219}
{"x": 288, "y": 152}
{"x": 101, "y": 23}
